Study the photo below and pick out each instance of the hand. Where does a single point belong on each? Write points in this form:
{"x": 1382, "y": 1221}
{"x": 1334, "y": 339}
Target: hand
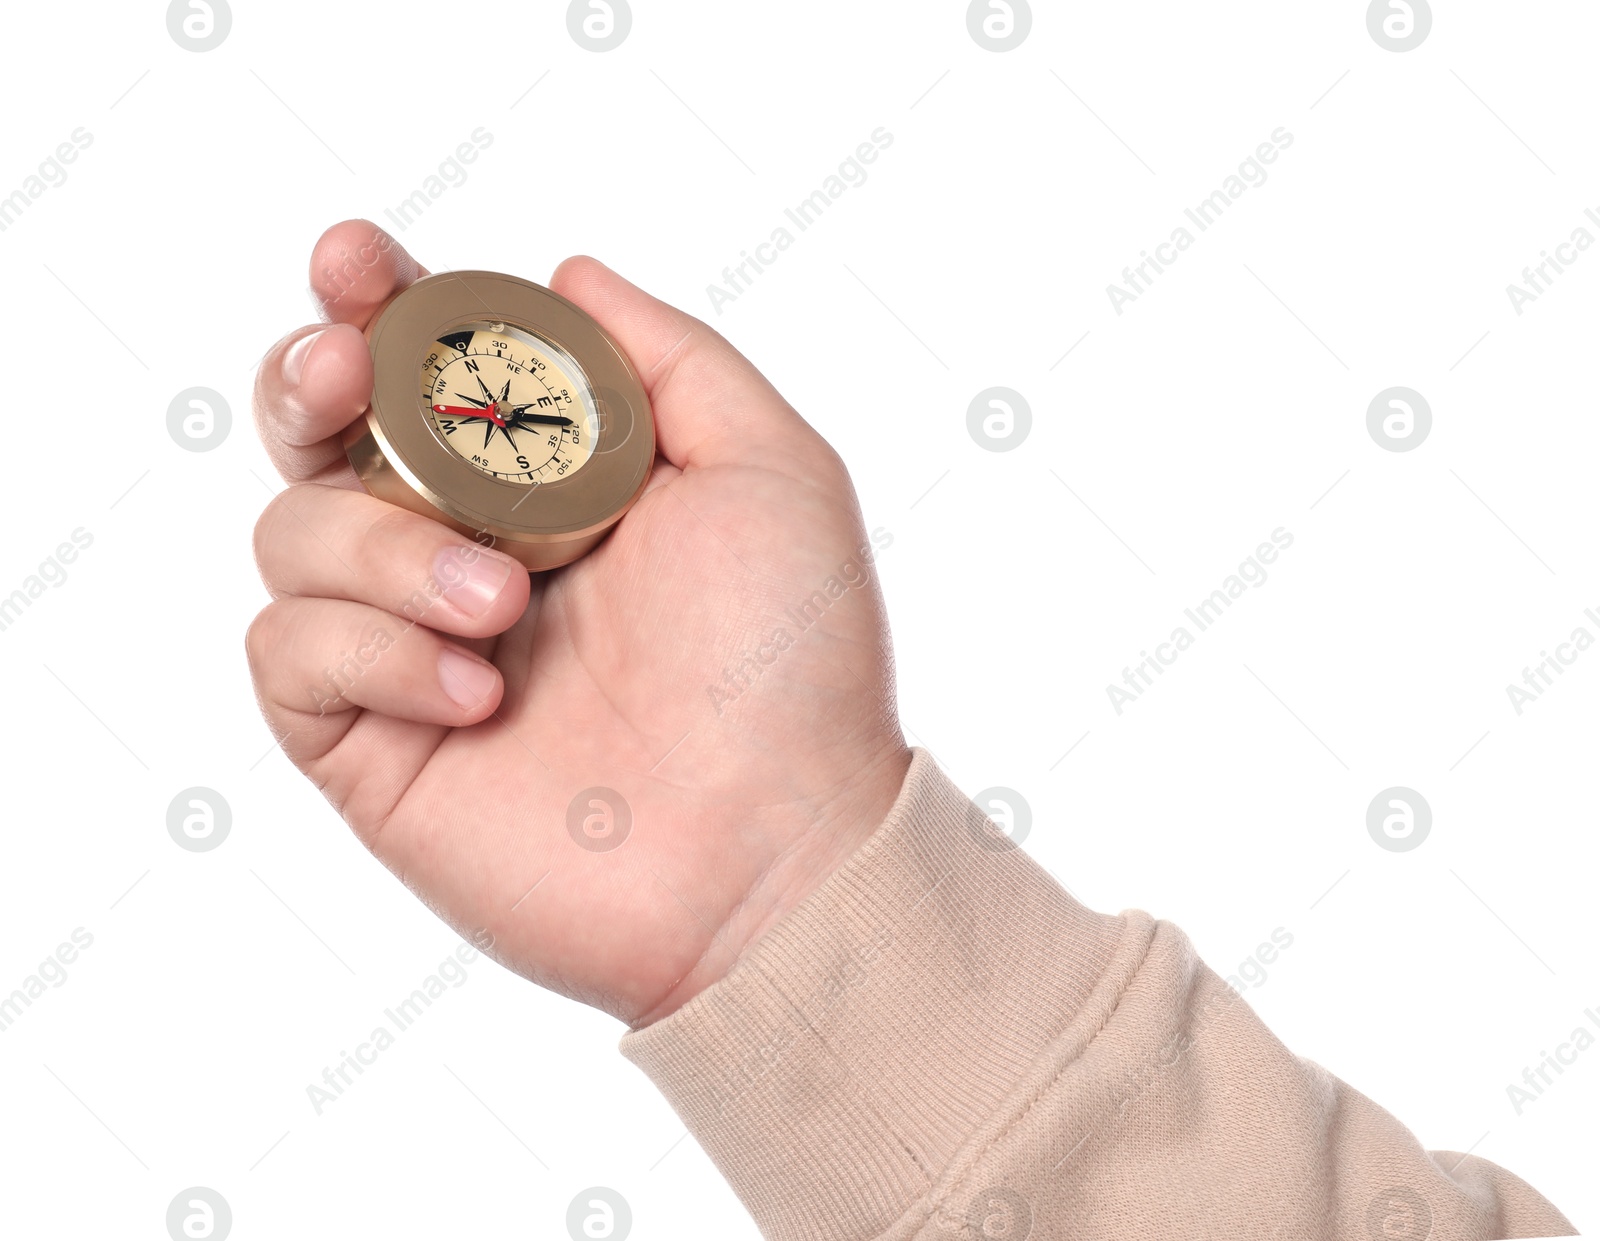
{"x": 752, "y": 764}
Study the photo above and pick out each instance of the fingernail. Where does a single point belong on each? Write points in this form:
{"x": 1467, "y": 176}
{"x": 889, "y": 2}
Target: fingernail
{"x": 471, "y": 577}
{"x": 464, "y": 679}
{"x": 294, "y": 360}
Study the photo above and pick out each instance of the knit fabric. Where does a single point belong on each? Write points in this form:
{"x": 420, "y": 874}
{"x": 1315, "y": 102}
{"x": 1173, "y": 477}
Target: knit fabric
{"x": 940, "y": 1044}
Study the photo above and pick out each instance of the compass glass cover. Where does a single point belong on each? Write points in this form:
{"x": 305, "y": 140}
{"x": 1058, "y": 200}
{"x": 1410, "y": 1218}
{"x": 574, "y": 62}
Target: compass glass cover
{"x": 511, "y": 404}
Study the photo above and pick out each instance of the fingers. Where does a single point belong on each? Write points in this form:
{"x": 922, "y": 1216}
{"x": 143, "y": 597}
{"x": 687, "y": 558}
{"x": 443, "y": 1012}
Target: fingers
{"x": 313, "y": 384}
{"x": 355, "y": 268}
{"x": 318, "y": 380}
{"x": 335, "y": 544}
{"x": 712, "y": 406}
{"x": 322, "y": 657}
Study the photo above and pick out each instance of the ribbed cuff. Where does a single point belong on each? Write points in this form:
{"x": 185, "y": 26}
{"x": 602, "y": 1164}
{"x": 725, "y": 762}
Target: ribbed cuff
{"x": 837, "y": 1069}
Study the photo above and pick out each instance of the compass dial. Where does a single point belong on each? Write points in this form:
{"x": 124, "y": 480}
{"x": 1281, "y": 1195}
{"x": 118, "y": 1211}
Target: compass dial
{"x": 509, "y": 403}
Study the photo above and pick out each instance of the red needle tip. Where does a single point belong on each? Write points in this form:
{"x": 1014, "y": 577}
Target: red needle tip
{"x": 462, "y": 411}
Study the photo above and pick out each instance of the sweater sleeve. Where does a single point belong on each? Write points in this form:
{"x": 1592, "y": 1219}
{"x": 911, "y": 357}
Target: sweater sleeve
{"x": 941, "y": 1044}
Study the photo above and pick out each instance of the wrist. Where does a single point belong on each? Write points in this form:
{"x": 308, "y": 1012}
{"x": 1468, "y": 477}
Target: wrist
{"x": 811, "y": 841}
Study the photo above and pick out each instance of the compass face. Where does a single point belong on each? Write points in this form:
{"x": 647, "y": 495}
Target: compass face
{"x": 509, "y": 403}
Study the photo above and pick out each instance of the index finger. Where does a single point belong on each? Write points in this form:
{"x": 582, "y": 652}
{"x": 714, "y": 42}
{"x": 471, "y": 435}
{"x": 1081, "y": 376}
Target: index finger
{"x": 355, "y": 268}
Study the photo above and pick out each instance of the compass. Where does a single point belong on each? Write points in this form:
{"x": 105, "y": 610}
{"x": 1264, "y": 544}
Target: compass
{"x": 504, "y": 411}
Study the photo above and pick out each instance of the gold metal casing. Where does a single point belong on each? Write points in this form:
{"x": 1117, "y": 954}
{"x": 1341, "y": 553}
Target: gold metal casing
{"x": 399, "y": 457}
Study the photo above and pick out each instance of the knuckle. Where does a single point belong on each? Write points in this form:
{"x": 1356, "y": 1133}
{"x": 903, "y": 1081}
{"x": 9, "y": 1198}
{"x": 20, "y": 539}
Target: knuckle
{"x": 824, "y": 466}
{"x": 262, "y": 401}
{"x": 263, "y": 635}
{"x": 391, "y": 538}
{"x": 832, "y": 465}
{"x": 272, "y": 538}
{"x": 261, "y": 539}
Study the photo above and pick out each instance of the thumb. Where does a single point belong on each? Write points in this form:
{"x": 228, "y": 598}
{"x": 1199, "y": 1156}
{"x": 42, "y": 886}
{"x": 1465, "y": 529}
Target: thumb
{"x": 711, "y": 405}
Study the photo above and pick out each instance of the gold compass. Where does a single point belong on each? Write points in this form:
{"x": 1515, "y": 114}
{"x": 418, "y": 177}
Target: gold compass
{"x": 502, "y": 410}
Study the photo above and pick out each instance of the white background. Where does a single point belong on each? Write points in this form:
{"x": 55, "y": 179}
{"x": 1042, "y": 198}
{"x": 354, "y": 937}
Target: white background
{"x": 1224, "y": 403}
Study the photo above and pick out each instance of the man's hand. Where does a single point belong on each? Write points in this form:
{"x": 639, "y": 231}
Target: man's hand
{"x": 721, "y": 662}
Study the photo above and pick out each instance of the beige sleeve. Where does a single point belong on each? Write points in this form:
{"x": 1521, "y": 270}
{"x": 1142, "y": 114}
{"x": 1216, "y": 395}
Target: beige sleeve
{"x": 942, "y": 1044}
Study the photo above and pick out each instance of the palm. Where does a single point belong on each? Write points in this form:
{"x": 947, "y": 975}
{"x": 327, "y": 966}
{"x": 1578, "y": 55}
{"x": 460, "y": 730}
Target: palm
{"x": 617, "y": 677}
